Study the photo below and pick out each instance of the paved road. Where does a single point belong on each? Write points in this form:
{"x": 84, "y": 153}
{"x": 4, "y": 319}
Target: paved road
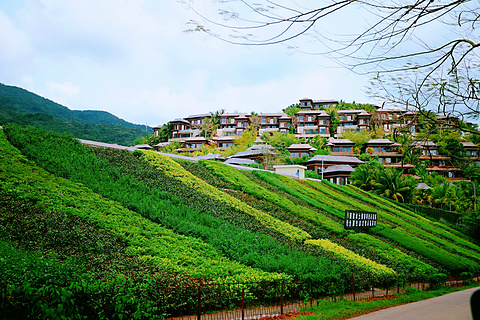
{"x": 453, "y": 306}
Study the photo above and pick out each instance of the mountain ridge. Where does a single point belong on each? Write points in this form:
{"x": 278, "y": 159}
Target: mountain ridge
{"x": 20, "y": 106}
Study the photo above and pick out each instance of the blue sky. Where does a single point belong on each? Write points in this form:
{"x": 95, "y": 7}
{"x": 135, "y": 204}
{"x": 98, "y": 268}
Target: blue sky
{"x": 133, "y": 59}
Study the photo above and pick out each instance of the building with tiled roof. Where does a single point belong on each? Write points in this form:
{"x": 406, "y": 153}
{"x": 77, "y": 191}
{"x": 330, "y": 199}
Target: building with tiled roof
{"x": 301, "y": 150}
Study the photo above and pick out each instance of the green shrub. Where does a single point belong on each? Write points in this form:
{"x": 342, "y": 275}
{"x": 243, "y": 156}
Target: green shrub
{"x": 412, "y": 290}
{"x": 436, "y": 281}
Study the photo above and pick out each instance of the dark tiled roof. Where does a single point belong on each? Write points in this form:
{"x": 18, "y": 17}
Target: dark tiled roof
{"x": 339, "y": 168}
{"x": 195, "y": 139}
{"x": 334, "y": 141}
{"x": 203, "y": 115}
{"x": 299, "y": 146}
{"x": 321, "y": 113}
{"x": 239, "y": 161}
{"x": 379, "y": 141}
{"x": 102, "y": 144}
{"x": 209, "y": 156}
{"x": 250, "y": 153}
{"x": 326, "y": 158}
{"x": 180, "y": 120}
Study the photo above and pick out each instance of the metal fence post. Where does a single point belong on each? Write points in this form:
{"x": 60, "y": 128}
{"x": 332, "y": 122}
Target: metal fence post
{"x": 243, "y": 302}
{"x": 199, "y": 301}
{"x": 281, "y": 296}
{"x": 387, "y": 288}
{"x": 353, "y": 287}
{"x": 373, "y": 289}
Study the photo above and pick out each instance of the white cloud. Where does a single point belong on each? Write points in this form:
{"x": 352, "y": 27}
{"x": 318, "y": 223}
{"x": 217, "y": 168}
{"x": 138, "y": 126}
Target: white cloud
{"x": 66, "y": 88}
{"x": 131, "y": 58}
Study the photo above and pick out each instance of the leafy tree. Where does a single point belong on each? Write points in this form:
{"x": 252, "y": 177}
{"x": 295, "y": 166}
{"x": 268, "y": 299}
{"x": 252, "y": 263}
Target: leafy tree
{"x": 281, "y": 141}
{"x": 208, "y": 128}
{"x": 364, "y": 176}
{"x": 391, "y": 184}
{"x": 255, "y": 122}
{"x": 319, "y": 143}
{"x": 164, "y": 133}
{"x": 171, "y": 147}
{"x": 291, "y": 112}
{"x": 334, "y": 119}
{"x": 210, "y": 125}
{"x": 359, "y": 138}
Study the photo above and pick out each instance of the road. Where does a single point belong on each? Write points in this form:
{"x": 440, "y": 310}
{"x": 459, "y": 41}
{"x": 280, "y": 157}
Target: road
{"x": 453, "y": 306}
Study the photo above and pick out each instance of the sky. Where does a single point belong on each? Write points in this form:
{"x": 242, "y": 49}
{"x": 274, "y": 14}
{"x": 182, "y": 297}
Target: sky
{"x": 134, "y": 59}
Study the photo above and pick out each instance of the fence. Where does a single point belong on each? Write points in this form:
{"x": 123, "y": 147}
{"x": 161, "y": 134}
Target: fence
{"x": 206, "y": 300}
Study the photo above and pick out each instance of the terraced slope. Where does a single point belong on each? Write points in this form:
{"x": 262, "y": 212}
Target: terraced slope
{"x": 208, "y": 220}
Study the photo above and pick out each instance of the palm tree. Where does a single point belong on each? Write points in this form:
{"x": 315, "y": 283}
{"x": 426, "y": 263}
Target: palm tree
{"x": 363, "y": 177}
{"x": 391, "y": 184}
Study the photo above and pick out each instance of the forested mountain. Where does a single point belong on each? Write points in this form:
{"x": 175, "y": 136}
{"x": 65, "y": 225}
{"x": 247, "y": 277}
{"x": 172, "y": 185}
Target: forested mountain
{"x": 22, "y": 107}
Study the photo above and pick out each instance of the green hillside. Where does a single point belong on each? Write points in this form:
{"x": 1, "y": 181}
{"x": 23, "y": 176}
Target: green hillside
{"x": 142, "y": 218}
{"x": 22, "y": 107}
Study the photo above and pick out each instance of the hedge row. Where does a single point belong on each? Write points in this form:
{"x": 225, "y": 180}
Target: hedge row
{"x": 416, "y": 225}
{"x": 398, "y": 259}
{"x": 146, "y": 239}
{"x": 174, "y": 170}
{"x": 236, "y": 234}
{"x": 453, "y": 262}
{"x": 363, "y": 263}
{"x": 316, "y": 217}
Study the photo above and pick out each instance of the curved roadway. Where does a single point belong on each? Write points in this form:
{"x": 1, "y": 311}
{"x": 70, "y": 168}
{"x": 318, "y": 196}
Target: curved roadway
{"x": 453, "y": 306}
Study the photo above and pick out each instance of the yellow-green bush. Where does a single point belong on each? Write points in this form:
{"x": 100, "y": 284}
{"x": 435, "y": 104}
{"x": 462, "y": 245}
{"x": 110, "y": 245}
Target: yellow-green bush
{"x": 363, "y": 263}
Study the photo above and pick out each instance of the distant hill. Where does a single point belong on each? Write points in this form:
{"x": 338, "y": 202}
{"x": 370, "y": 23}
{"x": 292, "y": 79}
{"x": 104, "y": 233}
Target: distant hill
{"x": 23, "y": 107}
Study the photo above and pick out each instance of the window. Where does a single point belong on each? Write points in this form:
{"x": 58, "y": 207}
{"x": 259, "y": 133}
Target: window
{"x": 302, "y": 118}
{"x": 294, "y": 155}
{"x": 264, "y": 120}
{"x": 224, "y": 121}
{"x": 347, "y": 149}
{"x": 336, "y": 149}
{"x": 322, "y": 131}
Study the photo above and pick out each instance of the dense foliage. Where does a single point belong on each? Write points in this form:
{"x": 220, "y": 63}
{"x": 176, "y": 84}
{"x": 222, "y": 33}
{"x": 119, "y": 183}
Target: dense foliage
{"x": 107, "y": 220}
{"x": 22, "y": 107}
{"x": 147, "y": 239}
